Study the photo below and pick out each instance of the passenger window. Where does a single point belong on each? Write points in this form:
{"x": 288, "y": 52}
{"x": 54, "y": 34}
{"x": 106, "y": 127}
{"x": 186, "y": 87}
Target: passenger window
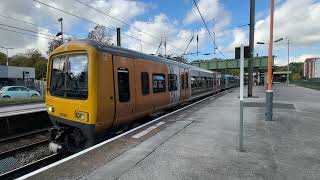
{"x": 193, "y": 82}
{"x": 145, "y": 83}
{"x": 182, "y": 81}
{"x": 204, "y": 81}
{"x": 172, "y": 82}
{"x": 159, "y": 83}
{"x": 123, "y": 85}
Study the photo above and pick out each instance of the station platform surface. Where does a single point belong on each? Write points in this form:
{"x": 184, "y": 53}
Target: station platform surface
{"x": 201, "y": 142}
{"x": 12, "y": 110}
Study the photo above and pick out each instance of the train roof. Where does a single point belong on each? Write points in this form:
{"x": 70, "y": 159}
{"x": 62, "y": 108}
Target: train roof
{"x": 131, "y": 53}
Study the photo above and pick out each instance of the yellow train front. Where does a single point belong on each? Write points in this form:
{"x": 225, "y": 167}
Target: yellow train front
{"x": 92, "y": 88}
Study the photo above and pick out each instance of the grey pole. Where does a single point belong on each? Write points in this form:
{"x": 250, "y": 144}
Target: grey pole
{"x": 118, "y": 37}
{"x": 251, "y": 45}
{"x": 288, "y": 68}
{"x": 61, "y": 28}
{"x": 241, "y": 99}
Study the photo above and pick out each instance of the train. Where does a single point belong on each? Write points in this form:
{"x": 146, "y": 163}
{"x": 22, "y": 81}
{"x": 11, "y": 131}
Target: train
{"x": 93, "y": 88}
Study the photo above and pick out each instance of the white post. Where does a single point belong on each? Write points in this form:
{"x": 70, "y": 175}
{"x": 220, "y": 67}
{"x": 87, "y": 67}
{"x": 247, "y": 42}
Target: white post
{"x": 288, "y": 68}
{"x": 241, "y": 98}
{"x": 241, "y": 72}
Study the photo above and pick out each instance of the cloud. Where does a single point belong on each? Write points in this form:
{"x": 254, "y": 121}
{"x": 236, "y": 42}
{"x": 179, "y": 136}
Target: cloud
{"x": 240, "y": 38}
{"x": 295, "y": 19}
{"x": 160, "y": 27}
{"x": 33, "y": 12}
{"x": 209, "y": 9}
{"x": 298, "y": 20}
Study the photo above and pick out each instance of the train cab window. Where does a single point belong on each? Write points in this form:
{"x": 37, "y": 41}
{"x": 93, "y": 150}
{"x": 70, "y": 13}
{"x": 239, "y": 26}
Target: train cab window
{"x": 159, "y": 83}
{"x": 187, "y": 81}
{"x": 145, "y": 83}
{"x": 123, "y": 85}
{"x": 172, "y": 82}
{"x": 182, "y": 81}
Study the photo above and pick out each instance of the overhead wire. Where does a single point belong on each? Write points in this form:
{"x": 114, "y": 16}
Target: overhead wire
{"x": 90, "y": 21}
{"x": 123, "y": 22}
{"x": 208, "y": 30}
{"x": 37, "y": 25}
{"x": 23, "y": 29}
{"x": 25, "y": 33}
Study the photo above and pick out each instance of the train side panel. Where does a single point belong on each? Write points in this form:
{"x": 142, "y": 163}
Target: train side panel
{"x": 105, "y": 90}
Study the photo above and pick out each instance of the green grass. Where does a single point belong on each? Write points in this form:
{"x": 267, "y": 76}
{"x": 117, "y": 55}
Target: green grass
{"x": 17, "y": 101}
{"x": 312, "y": 84}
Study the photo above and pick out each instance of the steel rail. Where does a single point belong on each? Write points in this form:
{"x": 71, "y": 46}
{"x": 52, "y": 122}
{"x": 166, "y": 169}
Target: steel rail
{"x": 12, "y": 152}
{"x": 23, "y": 135}
{"x": 15, "y": 173}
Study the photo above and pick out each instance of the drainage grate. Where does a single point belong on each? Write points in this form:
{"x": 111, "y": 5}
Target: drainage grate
{"x": 8, "y": 164}
{"x": 275, "y": 105}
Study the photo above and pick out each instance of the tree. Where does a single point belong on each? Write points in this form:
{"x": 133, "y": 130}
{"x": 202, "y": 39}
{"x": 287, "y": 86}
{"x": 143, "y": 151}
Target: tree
{"x": 31, "y": 58}
{"x": 53, "y": 44}
{"x": 3, "y": 58}
{"x": 100, "y": 34}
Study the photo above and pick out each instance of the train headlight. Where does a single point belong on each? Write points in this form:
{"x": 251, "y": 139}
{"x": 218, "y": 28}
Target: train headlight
{"x": 83, "y": 116}
{"x": 51, "y": 109}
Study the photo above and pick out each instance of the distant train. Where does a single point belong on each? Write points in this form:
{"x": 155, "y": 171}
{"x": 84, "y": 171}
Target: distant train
{"x": 93, "y": 88}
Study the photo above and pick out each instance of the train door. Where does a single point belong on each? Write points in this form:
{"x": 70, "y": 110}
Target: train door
{"x": 143, "y": 96}
{"x": 187, "y": 84}
{"x": 182, "y": 85}
{"x": 124, "y": 89}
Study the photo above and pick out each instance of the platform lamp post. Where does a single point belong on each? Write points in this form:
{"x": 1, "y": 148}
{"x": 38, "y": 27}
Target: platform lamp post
{"x": 61, "y": 27}
{"x": 288, "y": 68}
{"x": 7, "y": 53}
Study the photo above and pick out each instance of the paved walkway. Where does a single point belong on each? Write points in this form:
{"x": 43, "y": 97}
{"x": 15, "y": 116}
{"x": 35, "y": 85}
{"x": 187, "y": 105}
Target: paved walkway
{"x": 203, "y": 144}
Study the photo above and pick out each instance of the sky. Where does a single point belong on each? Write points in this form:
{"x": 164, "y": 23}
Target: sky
{"x": 144, "y": 23}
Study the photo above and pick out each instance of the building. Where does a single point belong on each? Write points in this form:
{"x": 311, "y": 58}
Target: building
{"x": 13, "y": 75}
{"x": 311, "y": 68}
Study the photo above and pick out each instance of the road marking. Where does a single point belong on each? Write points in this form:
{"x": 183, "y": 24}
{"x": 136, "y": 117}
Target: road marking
{"x": 146, "y": 131}
{"x": 108, "y": 141}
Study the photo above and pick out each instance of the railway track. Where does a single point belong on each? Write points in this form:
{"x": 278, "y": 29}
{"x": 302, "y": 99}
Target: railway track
{"x": 17, "y": 151}
{"x": 12, "y": 152}
{"x": 23, "y": 135}
{"x": 15, "y": 173}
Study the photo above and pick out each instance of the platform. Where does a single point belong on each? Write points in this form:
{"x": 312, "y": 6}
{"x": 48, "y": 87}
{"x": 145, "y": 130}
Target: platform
{"x": 201, "y": 142}
{"x": 13, "y": 110}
